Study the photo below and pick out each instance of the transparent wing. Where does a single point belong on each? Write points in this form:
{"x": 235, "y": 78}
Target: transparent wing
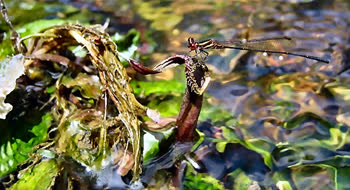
{"x": 265, "y": 44}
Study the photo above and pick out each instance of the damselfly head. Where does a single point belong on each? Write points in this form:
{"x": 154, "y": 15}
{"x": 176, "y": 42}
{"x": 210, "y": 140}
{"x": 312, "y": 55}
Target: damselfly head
{"x": 191, "y": 43}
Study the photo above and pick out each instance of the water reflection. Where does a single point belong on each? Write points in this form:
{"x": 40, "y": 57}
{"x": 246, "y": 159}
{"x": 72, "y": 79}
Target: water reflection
{"x": 296, "y": 109}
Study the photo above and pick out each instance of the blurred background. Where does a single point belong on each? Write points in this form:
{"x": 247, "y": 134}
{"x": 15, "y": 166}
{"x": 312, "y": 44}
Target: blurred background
{"x": 285, "y": 109}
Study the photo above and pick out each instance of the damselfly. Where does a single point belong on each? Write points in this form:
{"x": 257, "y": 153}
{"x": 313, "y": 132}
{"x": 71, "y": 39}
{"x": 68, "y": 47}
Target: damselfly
{"x": 266, "y": 45}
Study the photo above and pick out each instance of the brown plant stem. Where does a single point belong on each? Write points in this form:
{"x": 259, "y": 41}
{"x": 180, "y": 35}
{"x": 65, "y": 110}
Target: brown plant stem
{"x": 14, "y": 36}
{"x": 187, "y": 119}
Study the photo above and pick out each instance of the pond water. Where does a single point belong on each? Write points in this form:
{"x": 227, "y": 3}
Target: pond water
{"x": 268, "y": 121}
{"x": 291, "y": 111}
